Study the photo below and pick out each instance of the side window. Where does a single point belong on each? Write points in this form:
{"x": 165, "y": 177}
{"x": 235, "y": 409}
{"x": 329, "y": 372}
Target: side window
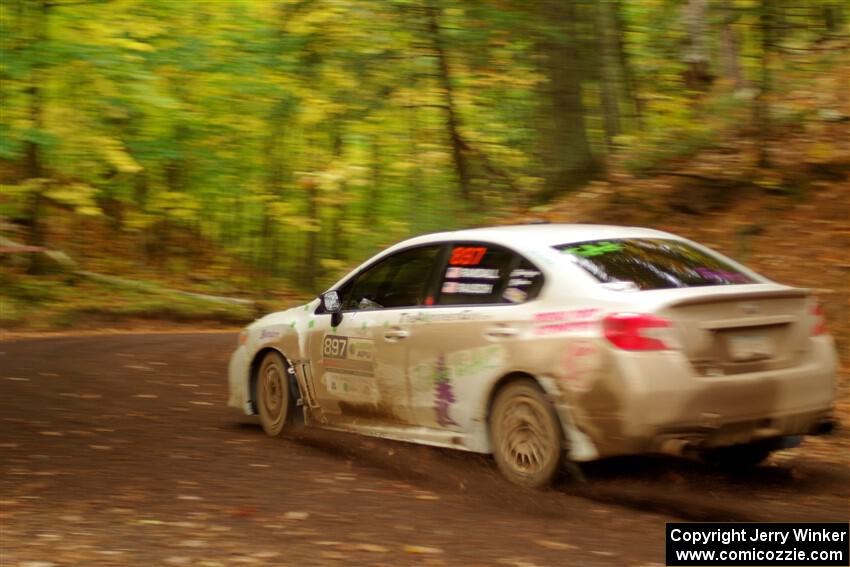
{"x": 479, "y": 274}
{"x": 524, "y": 282}
{"x": 398, "y": 281}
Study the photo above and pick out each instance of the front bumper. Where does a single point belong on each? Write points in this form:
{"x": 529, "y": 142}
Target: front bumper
{"x": 238, "y": 381}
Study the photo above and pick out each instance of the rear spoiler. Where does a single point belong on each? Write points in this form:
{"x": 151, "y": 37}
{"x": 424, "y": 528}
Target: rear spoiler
{"x": 791, "y": 293}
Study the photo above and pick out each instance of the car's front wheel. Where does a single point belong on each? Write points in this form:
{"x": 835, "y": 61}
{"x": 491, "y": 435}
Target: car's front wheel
{"x": 273, "y": 396}
{"x": 526, "y": 434}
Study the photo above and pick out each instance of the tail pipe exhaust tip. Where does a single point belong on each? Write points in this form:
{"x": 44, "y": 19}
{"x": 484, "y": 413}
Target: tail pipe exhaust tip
{"x": 679, "y": 448}
{"x": 824, "y": 427}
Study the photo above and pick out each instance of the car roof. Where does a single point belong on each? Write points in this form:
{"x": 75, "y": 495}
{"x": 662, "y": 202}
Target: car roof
{"x": 521, "y": 238}
{"x": 539, "y": 235}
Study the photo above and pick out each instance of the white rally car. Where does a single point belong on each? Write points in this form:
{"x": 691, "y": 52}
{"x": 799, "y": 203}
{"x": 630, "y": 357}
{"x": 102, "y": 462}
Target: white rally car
{"x": 542, "y": 343}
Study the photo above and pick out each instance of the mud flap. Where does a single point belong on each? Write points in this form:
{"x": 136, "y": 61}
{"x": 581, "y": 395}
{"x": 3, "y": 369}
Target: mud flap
{"x": 580, "y": 447}
{"x": 307, "y": 399}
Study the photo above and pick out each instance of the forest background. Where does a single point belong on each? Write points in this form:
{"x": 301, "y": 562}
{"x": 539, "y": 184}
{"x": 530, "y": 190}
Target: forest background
{"x": 154, "y": 153}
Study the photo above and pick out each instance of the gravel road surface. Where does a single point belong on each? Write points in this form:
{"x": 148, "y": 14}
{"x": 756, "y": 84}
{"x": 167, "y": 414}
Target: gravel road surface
{"x": 119, "y": 450}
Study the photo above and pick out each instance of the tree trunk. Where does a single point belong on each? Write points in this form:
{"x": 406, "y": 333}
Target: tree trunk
{"x": 565, "y": 151}
{"x": 274, "y": 187}
{"x": 695, "y": 55}
{"x": 33, "y": 159}
{"x": 370, "y": 213}
{"x": 609, "y": 75}
{"x": 730, "y": 48}
{"x": 266, "y": 259}
{"x": 761, "y": 106}
{"x": 452, "y": 119}
{"x": 629, "y": 81}
{"x": 338, "y": 239}
{"x": 311, "y": 252}
{"x": 175, "y": 168}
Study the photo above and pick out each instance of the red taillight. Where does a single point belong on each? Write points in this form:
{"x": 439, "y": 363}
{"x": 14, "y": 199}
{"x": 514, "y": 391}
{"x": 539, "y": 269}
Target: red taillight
{"x": 637, "y": 331}
{"x": 819, "y": 327}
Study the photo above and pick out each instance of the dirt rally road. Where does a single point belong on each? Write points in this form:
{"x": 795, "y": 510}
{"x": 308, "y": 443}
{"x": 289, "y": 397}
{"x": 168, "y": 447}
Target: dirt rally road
{"x": 119, "y": 450}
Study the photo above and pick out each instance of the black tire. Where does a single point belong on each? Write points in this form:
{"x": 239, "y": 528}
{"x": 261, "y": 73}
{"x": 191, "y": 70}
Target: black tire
{"x": 739, "y": 458}
{"x": 274, "y": 400}
{"x": 526, "y": 435}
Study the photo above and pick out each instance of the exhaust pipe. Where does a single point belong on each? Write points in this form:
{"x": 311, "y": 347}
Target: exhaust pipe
{"x": 824, "y": 427}
{"x": 679, "y": 448}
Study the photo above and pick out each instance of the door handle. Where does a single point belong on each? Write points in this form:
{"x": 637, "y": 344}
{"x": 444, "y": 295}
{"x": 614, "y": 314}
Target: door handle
{"x": 501, "y": 332}
{"x": 396, "y": 334}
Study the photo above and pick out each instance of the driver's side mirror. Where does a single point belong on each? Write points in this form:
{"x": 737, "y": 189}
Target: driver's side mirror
{"x": 332, "y": 305}
{"x": 330, "y": 301}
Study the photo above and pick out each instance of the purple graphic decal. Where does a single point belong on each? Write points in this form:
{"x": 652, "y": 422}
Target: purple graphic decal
{"x": 721, "y": 275}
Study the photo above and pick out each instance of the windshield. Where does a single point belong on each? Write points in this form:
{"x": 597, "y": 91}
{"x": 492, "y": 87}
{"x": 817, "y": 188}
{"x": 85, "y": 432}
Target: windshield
{"x": 649, "y": 263}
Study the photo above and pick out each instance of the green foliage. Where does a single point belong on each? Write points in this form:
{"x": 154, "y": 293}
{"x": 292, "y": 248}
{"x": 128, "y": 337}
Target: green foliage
{"x": 11, "y": 314}
{"x": 31, "y": 291}
{"x": 674, "y": 133}
{"x": 302, "y": 136}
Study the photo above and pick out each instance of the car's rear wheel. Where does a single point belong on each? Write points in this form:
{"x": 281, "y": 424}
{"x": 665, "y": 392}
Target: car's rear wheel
{"x": 273, "y": 396}
{"x": 526, "y": 434}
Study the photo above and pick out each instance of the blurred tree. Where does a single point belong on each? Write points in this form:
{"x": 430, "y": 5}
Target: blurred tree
{"x": 458, "y": 145}
{"x": 761, "y": 108}
{"x": 730, "y": 46}
{"x": 610, "y": 68}
{"x": 695, "y": 55}
{"x": 302, "y": 135}
{"x": 565, "y": 149}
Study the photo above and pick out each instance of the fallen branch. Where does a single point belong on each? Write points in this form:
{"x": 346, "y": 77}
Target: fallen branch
{"x": 114, "y": 280}
{"x": 21, "y": 249}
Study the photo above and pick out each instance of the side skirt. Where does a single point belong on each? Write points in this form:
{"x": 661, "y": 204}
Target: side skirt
{"x": 419, "y": 435}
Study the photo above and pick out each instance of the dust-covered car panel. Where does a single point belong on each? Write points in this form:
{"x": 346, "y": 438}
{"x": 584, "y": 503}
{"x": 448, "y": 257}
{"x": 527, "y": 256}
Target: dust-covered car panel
{"x": 541, "y": 343}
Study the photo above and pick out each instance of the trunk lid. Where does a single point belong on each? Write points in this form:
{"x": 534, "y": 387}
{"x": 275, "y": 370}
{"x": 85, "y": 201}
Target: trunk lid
{"x": 734, "y": 331}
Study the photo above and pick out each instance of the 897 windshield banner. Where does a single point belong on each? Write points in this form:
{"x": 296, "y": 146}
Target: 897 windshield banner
{"x": 744, "y": 544}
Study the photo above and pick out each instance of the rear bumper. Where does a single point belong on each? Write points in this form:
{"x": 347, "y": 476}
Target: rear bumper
{"x": 660, "y": 398}
{"x": 682, "y": 441}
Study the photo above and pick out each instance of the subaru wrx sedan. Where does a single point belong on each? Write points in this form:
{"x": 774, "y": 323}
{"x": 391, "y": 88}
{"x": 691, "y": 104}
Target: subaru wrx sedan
{"x": 542, "y": 344}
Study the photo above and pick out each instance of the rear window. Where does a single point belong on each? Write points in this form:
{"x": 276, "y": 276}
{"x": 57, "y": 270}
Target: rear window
{"x": 648, "y": 263}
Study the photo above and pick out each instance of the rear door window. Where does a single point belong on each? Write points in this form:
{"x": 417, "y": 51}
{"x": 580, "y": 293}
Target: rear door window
{"x": 524, "y": 282}
{"x": 650, "y": 263}
{"x": 478, "y": 274}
